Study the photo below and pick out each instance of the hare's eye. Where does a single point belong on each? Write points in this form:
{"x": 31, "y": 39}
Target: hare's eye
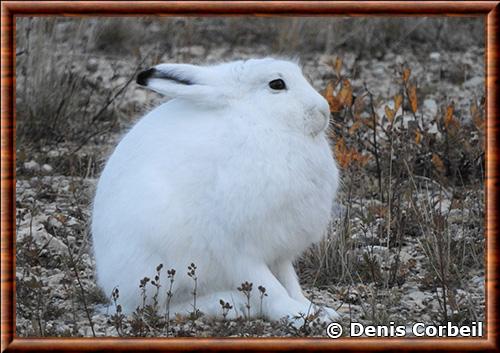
{"x": 278, "y": 84}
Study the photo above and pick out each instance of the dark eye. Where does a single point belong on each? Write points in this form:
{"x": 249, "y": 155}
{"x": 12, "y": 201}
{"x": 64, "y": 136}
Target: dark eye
{"x": 278, "y": 84}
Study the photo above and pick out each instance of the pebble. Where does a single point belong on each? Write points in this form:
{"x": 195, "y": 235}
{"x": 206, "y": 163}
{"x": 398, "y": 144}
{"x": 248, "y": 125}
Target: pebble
{"x": 92, "y": 65}
{"x": 473, "y": 82}
{"x": 53, "y": 154}
{"x": 32, "y": 166}
{"x": 47, "y": 168}
{"x": 418, "y": 297}
{"x": 54, "y": 222}
{"x": 197, "y": 50}
{"x": 435, "y": 56}
{"x": 431, "y": 106}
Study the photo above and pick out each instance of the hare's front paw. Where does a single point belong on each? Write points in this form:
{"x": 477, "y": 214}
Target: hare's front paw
{"x": 322, "y": 314}
{"x": 329, "y": 314}
{"x": 315, "y": 313}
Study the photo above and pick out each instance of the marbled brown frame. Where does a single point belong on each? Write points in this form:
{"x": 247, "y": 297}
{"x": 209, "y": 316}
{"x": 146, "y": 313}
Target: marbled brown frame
{"x": 9, "y": 9}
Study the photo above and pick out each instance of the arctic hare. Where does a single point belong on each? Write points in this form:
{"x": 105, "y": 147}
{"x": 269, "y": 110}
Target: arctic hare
{"x": 234, "y": 174}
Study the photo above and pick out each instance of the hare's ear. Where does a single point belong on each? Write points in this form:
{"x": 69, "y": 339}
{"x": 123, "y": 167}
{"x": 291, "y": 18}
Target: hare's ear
{"x": 181, "y": 81}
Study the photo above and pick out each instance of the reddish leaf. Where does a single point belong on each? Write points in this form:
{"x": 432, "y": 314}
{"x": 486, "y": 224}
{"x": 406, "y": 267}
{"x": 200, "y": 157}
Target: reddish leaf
{"x": 355, "y": 126}
{"x": 406, "y": 75}
{"x": 338, "y": 66}
{"x": 438, "y": 163}
{"x": 389, "y": 113}
{"x": 333, "y": 101}
{"x": 412, "y": 96}
{"x": 345, "y": 94}
{"x": 418, "y": 137}
{"x": 448, "y": 117}
{"x": 398, "y": 100}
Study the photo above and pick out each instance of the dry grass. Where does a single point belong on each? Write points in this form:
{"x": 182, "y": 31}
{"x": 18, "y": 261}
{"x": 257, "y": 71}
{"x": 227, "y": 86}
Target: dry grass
{"x": 407, "y": 180}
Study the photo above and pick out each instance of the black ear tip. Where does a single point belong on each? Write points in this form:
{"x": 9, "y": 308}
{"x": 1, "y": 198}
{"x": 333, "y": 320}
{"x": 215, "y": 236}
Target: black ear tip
{"x": 144, "y": 76}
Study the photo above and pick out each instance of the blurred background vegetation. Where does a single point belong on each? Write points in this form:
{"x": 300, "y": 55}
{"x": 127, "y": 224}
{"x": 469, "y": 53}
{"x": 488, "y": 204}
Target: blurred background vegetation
{"x": 55, "y": 55}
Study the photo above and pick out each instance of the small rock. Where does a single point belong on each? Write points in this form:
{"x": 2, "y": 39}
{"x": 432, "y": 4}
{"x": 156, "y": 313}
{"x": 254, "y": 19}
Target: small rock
{"x": 478, "y": 281}
{"x": 379, "y": 70}
{"x": 435, "y": 56}
{"x": 53, "y": 154}
{"x": 92, "y": 65}
{"x": 32, "y": 166}
{"x": 474, "y": 82}
{"x": 431, "y": 106}
{"x": 56, "y": 279}
{"x": 389, "y": 56}
{"x": 197, "y": 50}
{"x": 404, "y": 257}
{"x": 120, "y": 81}
{"x": 47, "y": 168}
{"x": 154, "y": 28}
{"x": 433, "y": 129}
{"x": 418, "y": 297}
{"x": 54, "y": 222}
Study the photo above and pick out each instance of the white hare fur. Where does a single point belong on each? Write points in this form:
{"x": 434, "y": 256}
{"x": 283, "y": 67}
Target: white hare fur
{"x": 230, "y": 174}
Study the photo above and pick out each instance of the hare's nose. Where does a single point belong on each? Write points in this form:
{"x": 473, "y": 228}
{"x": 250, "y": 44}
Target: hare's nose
{"x": 323, "y": 107}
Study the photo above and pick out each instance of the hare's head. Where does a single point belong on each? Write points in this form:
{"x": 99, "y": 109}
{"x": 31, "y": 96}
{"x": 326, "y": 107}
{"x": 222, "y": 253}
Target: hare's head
{"x": 269, "y": 89}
